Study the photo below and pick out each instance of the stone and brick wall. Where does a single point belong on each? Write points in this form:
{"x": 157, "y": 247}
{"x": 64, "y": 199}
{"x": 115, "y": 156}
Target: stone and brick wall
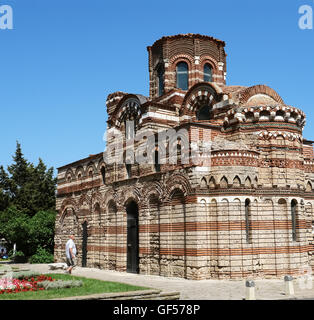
{"x": 224, "y": 218}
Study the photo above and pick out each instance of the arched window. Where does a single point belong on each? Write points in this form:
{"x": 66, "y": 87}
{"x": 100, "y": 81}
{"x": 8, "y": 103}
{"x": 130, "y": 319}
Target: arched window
{"x": 182, "y": 76}
{"x": 208, "y": 73}
{"x": 248, "y": 227}
{"x": 294, "y": 219}
{"x": 161, "y": 81}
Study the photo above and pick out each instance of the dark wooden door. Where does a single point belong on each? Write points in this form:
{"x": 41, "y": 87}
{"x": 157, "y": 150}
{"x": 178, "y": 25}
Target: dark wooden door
{"x": 84, "y": 244}
{"x": 132, "y": 239}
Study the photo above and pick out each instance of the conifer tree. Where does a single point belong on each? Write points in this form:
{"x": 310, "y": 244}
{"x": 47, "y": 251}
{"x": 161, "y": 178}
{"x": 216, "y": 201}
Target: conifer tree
{"x": 27, "y": 205}
{"x": 27, "y": 187}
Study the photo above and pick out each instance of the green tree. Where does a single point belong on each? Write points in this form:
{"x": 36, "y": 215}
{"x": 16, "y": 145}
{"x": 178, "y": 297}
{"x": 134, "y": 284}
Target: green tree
{"x": 15, "y": 229}
{"x": 27, "y": 205}
{"x": 41, "y": 231}
{"x": 4, "y": 189}
{"x": 19, "y": 171}
{"x": 27, "y": 187}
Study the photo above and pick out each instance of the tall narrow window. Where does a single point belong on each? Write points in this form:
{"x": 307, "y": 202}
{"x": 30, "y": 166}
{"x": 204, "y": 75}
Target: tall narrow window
{"x": 208, "y": 73}
{"x": 130, "y": 128}
{"x": 248, "y": 221}
{"x": 294, "y": 219}
{"x": 179, "y": 152}
{"x": 103, "y": 174}
{"x": 128, "y": 170}
{"x": 157, "y": 164}
{"x": 182, "y": 76}
{"x": 161, "y": 81}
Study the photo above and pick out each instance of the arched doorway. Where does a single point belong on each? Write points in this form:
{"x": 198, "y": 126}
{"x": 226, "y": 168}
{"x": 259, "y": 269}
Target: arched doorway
{"x": 132, "y": 238}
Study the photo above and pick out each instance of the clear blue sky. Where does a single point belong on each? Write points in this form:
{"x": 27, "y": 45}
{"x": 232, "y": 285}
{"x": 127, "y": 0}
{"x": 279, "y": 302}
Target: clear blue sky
{"x": 64, "y": 57}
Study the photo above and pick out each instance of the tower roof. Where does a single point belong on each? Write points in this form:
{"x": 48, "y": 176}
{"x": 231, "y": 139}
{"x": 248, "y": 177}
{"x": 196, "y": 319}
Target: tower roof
{"x": 189, "y": 35}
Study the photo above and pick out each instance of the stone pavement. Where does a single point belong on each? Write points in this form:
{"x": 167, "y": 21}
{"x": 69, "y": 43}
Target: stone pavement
{"x": 190, "y": 289}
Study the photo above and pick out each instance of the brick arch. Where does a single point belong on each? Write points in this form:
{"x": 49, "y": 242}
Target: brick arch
{"x": 96, "y": 198}
{"x": 91, "y": 165}
{"x": 130, "y": 199}
{"x": 84, "y": 198}
{"x": 211, "y": 61}
{"x": 129, "y": 104}
{"x": 260, "y": 89}
{"x": 153, "y": 198}
{"x": 78, "y": 170}
{"x": 70, "y": 225}
{"x": 177, "y": 193}
{"x": 67, "y": 204}
{"x": 69, "y": 172}
{"x": 111, "y": 206}
{"x": 128, "y": 196}
{"x": 181, "y": 58}
{"x": 153, "y": 189}
{"x": 177, "y": 181}
{"x": 248, "y": 182}
{"x": 203, "y": 182}
{"x": 173, "y": 69}
{"x": 212, "y": 183}
{"x": 200, "y": 94}
{"x": 108, "y": 196}
{"x": 101, "y": 163}
{"x": 223, "y": 182}
{"x": 122, "y": 103}
{"x": 236, "y": 181}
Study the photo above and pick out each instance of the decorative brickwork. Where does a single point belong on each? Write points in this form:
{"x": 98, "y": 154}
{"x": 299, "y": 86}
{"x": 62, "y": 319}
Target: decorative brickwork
{"x": 244, "y": 209}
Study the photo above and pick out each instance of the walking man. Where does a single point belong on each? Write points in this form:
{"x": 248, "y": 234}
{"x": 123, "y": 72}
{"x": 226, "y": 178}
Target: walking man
{"x": 70, "y": 251}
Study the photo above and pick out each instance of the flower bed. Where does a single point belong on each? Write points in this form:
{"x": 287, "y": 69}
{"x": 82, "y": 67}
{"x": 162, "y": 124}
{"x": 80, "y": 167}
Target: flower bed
{"x": 65, "y": 285}
{"x": 23, "y": 285}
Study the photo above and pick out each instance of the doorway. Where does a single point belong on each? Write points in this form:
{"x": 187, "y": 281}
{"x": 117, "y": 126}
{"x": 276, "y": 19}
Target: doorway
{"x": 132, "y": 238}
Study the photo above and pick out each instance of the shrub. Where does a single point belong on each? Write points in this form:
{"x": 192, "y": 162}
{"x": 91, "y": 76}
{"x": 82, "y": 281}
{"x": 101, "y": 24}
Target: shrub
{"x": 25, "y": 274}
{"x": 41, "y": 232}
{"x": 18, "y": 257}
{"x": 59, "y": 284}
{"x": 42, "y": 256}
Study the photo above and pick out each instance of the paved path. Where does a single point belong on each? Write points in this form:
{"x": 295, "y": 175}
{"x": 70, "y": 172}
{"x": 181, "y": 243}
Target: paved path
{"x": 190, "y": 289}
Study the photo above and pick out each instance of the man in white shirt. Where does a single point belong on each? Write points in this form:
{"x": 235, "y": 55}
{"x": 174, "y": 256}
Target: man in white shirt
{"x": 70, "y": 251}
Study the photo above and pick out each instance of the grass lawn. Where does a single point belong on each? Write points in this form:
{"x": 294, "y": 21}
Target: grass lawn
{"x": 90, "y": 286}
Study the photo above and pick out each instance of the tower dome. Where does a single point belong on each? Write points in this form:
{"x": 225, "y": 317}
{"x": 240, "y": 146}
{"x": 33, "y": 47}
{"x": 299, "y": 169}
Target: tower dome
{"x": 181, "y": 61}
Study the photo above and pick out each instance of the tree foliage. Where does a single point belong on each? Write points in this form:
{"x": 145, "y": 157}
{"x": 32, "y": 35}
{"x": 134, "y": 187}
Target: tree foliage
{"x": 27, "y": 205}
{"x": 27, "y": 187}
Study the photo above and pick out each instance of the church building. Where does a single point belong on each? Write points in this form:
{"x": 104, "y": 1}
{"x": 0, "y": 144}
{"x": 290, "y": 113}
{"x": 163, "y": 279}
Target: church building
{"x": 237, "y": 202}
